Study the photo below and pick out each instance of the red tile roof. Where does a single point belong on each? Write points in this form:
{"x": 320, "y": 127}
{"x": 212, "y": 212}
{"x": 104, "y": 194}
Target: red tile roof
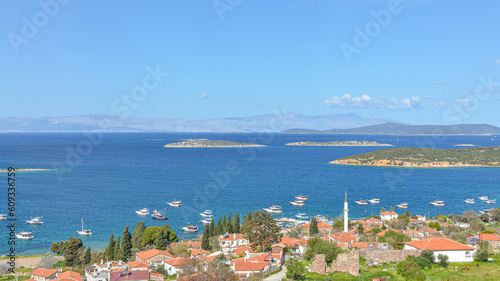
{"x": 190, "y": 244}
{"x": 488, "y": 237}
{"x": 232, "y": 237}
{"x": 69, "y": 273}
{"x": 151, "y": 253}
{"x": 249, "y": 266}
{"x": 178, "y": 262}
{"x": 138, "y": 264}
{"x": 130, "y": 275}
{"x": 44, "y": 272}
{"x": 196, "y": 252}
{"x": 438, "y": 244}
{"x": 240, "y": 250}
{"x": 389, "y": 213}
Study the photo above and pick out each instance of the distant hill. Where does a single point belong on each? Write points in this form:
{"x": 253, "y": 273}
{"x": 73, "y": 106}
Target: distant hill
{"x": 402, "y": 129}
{"x": 115, "y": 123}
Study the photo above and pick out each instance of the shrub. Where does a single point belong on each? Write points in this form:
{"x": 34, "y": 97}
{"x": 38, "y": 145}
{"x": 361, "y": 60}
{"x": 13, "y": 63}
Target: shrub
{"x": 295, "y": 269}
{"x": 422, "y": 262}
{"x": 482, "y": 255}
{"x": 443, "y": 260}
{"x": 429, "y": 255}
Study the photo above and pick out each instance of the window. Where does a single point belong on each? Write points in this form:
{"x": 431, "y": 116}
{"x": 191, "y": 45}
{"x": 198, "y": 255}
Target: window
{"x": 467, "y": 254}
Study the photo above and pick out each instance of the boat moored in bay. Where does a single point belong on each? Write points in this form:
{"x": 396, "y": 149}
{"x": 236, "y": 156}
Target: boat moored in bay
{"x": 35, "y": 220}
{"x": 437, "y": 203}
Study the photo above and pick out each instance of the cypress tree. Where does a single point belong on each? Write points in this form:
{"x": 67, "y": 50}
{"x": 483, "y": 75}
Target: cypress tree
{"x": 229, "y": 224}
{"x": 116, "y": 250}
{"x": 236, "y": 224}
{"x": 313, "y": 227}
{"x": 223, "y": 224}
{"x": 137, "y": 235}
{"x": 126, "y": 246}
{"x": 161, "y": 240}
{"x": 88, "y": 256}
{"x": 205, "y": 243}
{"x": 211, "y": 230}
{"x": 249, "y": 217}
{"x": 109, "y": 252}
{"x": 218, "y": 227}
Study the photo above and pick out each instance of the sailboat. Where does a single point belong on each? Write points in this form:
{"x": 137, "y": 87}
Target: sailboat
{"x": 84, "y": 231}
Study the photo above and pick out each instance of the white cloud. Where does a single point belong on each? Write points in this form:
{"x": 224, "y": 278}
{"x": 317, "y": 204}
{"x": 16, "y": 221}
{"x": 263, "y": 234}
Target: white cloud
{"x": 497, "y": 61}
{"x": 464, "y": 102}
{"x": 203, "y": 96}
{"x": 388, "y": 103}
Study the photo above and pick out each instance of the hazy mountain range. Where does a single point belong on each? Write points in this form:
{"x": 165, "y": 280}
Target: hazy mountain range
{"x": 259, "y": 123}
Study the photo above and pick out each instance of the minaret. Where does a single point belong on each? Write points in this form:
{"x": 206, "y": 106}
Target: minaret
{"x": 346, "y": 210}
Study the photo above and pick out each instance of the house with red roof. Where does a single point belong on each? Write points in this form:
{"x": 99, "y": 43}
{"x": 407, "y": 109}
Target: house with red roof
{"x": 139, "y": 275}
{"x": 43, "y": 274}
{"x": 176, "y": 266}
{"x": 154, "y": 255}
{"x": 69, "y": 276}
{"x": 199, "y": 253}
{"x": 241, "y": 250}
{"x": 228, "y": 241}
{"x": 388, "y": 216}
{"x": 296, "y": 245}
{"x": 139, "y": 265}
{"x": 242, "y": 266}
{"x": 457, "y": 252}
{"x": 493, "y": 239}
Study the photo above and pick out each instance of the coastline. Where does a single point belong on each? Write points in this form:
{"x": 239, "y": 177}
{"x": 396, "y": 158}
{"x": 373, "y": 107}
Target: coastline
{"x": 337, "y": 143}
{"x": 400, "y": 164}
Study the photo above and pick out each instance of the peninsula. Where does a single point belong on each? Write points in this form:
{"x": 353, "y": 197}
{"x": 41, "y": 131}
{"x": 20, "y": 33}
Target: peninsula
{"x": 209, "y": 143}
{"x": 338, "y": 143}
{"x": 426, "y": 157}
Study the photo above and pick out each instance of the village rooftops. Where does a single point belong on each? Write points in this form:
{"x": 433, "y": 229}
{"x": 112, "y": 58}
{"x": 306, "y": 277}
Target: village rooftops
{"x": 438, "y": 244}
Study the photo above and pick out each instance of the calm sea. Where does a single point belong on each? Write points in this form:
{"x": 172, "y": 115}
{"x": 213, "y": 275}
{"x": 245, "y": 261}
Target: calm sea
{"x": 104, "y": 181}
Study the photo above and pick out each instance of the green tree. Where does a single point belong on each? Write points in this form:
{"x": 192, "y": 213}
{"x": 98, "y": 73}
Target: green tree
{"x": 229, "y": 224}
{"x": 151, "y": 232}
{"x": 483, "y": 254}
{"x": 59, "y": 247}
{"x": 429, "y": 255}
{"x": 223, "y": 224}
{"x": 161, "y": 240}
{"x": 205, "y": 243}
{"x": 88, "y": 256}
{"x": 218, "y": 227}
{"x": 109, "y": 252}
{"x": 295, "y": 270}
{"x": 382, "y": 209}
{"x": 262, "y": 231}
{"x": 116, "y": 250}
{"x": 422, "y": 262}
{"x": 126, "y": 247}
{"x": 360, "y": 229}
{"x": 319, "y": 246}
{"x": 391, "y": 209}
{"x": 211, "y": 230}
{"x": 442, "y": 218}
{"x": 407, "y": 213}
{"x": 73, "y": 252}
{"x": 236, "y": 224}
{"x": 443, "y": 260}
{"x": 313, "y": 227}
{"x": 137, "y": 235}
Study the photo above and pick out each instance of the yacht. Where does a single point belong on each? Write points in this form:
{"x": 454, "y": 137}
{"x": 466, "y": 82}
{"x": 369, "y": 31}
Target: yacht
{"x": 469, "y": 201}
{"x": 301, "y": 197}
{"x": 490, "y": 201}
{"x": 374, "y": 201}
{"x": 298, "y": 203}
{"x": 24, "y": 235}
{"x": 190, "y": 228}
{"x": 207, "y": 221}
{"x": 159, "y": 215}
{"x": 403, "y": 206}
{"x": 143, "y": 212}
{"x": 361, "y": 202}
{"x": 302, "y": 216}
{"x": 274, "y": 209}
{"x": 207, "y": 214}
{"x": 3, "y": 216}
{"x": 437, "y": 203}
{"x": 84, "y": 231}
{"x": 175, "y": 203}
{"x": 484, "y": 198}
{"x": 35, "y": 220}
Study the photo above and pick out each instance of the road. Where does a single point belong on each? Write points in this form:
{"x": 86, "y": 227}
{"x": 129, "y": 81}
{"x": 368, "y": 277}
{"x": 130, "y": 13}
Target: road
{"x": 278, "y": 276}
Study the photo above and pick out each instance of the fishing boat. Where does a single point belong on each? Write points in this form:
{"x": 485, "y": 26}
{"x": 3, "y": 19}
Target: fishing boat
{"x": 206, "y": 221}
{"x": 24, "y": 235}
{"x": 403, "y": 206}
{"x": 84, "y": 231}
{"x": 302, "y": 216}
{"x": 35, "y": 220}
{"x": 490, "y": 201}
{"x": 143, "y": 212}
{"x": 274, "y": 209}
{"x": 175, "y": 203}
{"x": 374, "y": 201}
{"x": 159, "y": 215}
{"x": 469, "y": 201}
{"x": 190, "y": 228}
{"x": 361, "y": 202}
{"x": 484, "y": 198}
{"x": 301, "y": 197}
{"x": 207, "y": 214}
{"x": 298, "y": 203}
{"x": 437, "y": 203}
{"x": 3, "y": 216}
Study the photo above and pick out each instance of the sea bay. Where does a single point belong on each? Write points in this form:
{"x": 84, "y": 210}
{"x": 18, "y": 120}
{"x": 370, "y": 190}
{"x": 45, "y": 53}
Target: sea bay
{"x": 106, "y": 181}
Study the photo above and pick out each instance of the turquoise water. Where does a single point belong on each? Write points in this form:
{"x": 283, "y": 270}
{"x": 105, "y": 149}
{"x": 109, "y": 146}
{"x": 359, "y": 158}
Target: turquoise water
{"x": 105, "y": 181}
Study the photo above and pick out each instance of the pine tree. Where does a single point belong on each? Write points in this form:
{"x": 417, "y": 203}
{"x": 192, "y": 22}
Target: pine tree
{"x": 205, "y": 243}
{"x": 88, "y": 256}
{"x": 236, "y": 224}
{"x": 211, "y": 230}
{"x": 229, "y": 224}
{"x": 137, "y": 235}
{"x": 223, "y": 224}
{"x": 313, "y": 227}
{"x": 126, "y": 247}
{"x": 73, "y": 251}
{"x": 109, "y": 252}
{"x": 161, "y": 240}
{"x": 116, "y": 250}
{"x": 249, "y": 216}
{"x": 262, "y": 231}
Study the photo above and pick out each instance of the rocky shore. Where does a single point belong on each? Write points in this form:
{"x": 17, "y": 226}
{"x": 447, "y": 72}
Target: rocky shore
{"x": 338, "y": 143}
{"x": 209, "y": 143}
{"x": 404, "y": 164}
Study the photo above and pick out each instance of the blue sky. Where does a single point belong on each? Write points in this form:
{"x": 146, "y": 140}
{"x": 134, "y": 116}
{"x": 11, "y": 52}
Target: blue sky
{"x": 420, "y": 62}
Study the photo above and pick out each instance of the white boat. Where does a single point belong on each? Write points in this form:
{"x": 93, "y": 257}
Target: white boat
{"x": 374, "y": 201}
{"x": 274, "y": 209}
{"x": 361, "y": 202}
{"x": 159, "y": 215}
{"x": 206, "y": 221}
{"x": 437, "y": 203}
{"x": 84, "y": 231}
{"x": 301, "y": 197}
{"x": 190, "y": 228}
{"x": 469, "y": 201}
{"x": 297, "y": 203}
{"x": 484, "y": 198}
{"x": 143, "y": 212}
{"x": 490, "y": 201}
{"x": 321, "y": 218}
{"x": 35, "y": 220}
{"x": 24, "y": 235}
{"x": 302, "y": 216}
{"x": 207, "y": 214}
{"x": 3, "y": 216}
{"x": 403, "y": 206}
{"x": 175, "y": 203}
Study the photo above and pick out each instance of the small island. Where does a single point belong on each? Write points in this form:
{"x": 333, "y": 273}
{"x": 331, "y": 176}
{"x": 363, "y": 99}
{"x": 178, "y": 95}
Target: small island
{"x": 338, "y": 143}
{"x": 209, "y": 143}
{"x": 426, "y": 157}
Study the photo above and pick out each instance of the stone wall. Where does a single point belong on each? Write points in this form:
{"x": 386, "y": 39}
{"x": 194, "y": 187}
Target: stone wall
{"x": 494, "y": 244}
{"x": 346, "y": 262}
{"x": 319, "y": 264}
{"x": 378, "y": 256}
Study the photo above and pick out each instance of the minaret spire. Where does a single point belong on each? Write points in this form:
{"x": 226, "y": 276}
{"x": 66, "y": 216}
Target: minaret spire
{"x": 346, "y": 211}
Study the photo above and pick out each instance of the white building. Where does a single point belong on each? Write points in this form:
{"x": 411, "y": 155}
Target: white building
{"x": 346, "y": 211}
{"x": 457, "y": 252}
{"x": 232, "y": 240}
{"x": 387, "y": 216}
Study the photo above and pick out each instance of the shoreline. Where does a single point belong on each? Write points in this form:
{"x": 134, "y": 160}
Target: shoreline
{"x": 431, "y": 165}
